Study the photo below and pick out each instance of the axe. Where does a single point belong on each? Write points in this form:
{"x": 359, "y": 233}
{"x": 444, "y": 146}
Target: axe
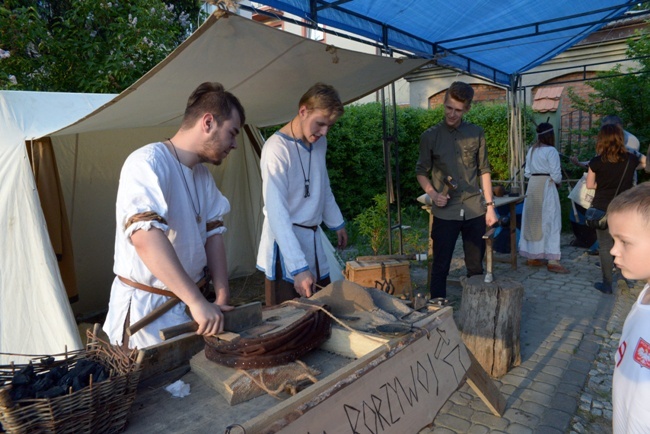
{"x": 449, "y": 184}
{"x": 236, "y": 320}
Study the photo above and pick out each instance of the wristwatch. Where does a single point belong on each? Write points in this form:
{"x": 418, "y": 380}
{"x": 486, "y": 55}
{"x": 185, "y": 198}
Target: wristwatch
{"x": 489, "y": 203}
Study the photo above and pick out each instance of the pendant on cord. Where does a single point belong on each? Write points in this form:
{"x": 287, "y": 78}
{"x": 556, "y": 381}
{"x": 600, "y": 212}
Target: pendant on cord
{"x": 307, "y": 188}
{"x": 198, "y": 219}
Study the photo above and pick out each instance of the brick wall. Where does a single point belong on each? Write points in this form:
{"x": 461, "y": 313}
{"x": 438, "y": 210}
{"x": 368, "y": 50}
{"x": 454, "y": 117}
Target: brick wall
{"x": 482, "y": 93}
{"x": 573, "y": 121}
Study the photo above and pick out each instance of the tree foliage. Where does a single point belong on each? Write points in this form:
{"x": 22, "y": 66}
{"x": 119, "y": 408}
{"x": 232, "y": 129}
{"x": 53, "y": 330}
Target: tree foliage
{"x": 88, "y": 45}
{"x": 623, "y": 91}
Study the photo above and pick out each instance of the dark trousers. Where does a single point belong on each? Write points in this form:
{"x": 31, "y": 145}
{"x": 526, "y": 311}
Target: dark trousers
{"x": 605, "y": 244}
{"x": 279, "y": 290}
{"x": 444, "y": 234}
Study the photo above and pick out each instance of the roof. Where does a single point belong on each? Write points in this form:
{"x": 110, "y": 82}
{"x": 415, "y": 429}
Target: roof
{"x": 547, "y": 99}
{"x": 495, "y": 39}
{"x": 266, "y": 68}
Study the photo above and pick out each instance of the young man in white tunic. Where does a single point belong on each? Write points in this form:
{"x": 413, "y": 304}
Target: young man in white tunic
{"x": 298, "y": 198}
{"x": 628, "y": 217}
{"x": 170, "y": 223}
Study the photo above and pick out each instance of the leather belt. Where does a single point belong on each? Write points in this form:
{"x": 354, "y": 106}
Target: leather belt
{"x": 315, "y": 229}
{"x": 202, "y": 284}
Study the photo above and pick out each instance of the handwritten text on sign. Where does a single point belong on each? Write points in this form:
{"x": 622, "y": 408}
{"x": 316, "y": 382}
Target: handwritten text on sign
{"x": 401, "y": 395}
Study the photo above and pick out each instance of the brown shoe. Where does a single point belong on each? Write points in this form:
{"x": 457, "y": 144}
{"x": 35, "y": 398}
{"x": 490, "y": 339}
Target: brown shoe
{"x": 557, "y": 268}
{"x": 535, "y": 262}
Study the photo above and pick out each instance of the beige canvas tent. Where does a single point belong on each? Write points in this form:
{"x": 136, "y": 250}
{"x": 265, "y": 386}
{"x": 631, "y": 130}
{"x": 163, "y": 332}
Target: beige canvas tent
{"x": 266, "y": 68}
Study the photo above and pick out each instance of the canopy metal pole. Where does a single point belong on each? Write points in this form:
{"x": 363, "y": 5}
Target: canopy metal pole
{"x": 398, "y": 196}
{"x": 515, "y": 141}
{"x": 387, "y": 168}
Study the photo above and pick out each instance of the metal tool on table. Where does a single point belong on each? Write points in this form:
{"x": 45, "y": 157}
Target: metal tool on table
{"x": 489, "y": 238}
{"x": 237, "y": 320}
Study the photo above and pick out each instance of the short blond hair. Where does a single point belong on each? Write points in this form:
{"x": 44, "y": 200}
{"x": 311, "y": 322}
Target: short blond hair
{"x": 636, "y": 199}
{"x": 324, "y": 97}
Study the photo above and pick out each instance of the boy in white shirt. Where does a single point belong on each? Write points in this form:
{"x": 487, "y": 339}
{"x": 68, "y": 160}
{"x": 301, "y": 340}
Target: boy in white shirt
{"x": 629, "y": 224}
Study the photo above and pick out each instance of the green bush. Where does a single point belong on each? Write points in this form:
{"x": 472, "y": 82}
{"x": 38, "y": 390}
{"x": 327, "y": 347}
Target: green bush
{"x": 356, "y": 160}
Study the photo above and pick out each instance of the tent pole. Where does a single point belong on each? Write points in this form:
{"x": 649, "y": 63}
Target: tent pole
{"x": 398, "y": 200}
{"x": 387, "y": 168}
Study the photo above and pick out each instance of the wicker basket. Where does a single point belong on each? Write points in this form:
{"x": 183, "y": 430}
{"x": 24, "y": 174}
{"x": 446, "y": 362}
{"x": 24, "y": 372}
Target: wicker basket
{"x": 102, "y": 407}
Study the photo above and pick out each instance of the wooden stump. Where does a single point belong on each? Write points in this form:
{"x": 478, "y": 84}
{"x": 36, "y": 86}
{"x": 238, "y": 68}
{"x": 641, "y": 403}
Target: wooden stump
{"x": 490, "y": 319}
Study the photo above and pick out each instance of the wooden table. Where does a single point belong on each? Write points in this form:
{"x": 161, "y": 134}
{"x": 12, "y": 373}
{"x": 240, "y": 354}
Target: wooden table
{"x": 513, "y": 202}
{"x": 402, "y": 381}
{"x": 498, "y": 201}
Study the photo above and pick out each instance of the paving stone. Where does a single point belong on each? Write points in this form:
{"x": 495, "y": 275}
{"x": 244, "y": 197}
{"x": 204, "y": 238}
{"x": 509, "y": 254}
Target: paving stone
{"x": 462, "y": 411}
{"x": 515, "y": 428}
{"x": 452, "y": 422}
{"x": 518, "y": 416}
{"x": 556, "y": 419}
{"x": 488, "y": 419}
{"x": 562, "y": 340}
{"x": 478, "y": 429}
{"x": 533, "y": 408}
{"x": 545, "y": 388}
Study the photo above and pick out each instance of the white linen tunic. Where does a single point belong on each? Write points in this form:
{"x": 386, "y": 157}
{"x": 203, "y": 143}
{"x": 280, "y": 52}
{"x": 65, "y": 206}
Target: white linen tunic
{"x": 151, "y": 181}
{"x": 543, "y": 159}
{"x": 631, "y": 383}
{"x": 285, "y": 164}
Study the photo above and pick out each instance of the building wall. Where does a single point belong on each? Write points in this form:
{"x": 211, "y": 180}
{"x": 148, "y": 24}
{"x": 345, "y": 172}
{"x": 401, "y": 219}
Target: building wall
{"x": 482, "y": 93}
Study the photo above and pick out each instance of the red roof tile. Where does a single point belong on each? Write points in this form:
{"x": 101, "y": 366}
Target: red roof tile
{"x": 547, "y": 99}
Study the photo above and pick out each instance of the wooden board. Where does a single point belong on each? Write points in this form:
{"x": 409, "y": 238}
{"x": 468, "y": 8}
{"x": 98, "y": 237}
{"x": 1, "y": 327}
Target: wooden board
{"x": 397, "y": 388}
{"x": 237, "y": 386}
{"x": 170, "y": 354}
{"x": 378, "y": 274}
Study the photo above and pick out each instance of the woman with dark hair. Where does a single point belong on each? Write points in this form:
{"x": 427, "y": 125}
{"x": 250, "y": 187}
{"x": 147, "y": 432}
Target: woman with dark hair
{"x": 611, "y": 172}
{"x": 542, "y": 218}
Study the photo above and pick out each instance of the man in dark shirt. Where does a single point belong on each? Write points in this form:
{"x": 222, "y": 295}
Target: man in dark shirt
{"x": 456, "y": 148}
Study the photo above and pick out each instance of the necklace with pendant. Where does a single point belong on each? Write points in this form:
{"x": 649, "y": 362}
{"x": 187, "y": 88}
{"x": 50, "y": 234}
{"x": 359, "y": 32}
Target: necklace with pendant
{"x": 187, "y": 188}
{"x": 308, "y": 175}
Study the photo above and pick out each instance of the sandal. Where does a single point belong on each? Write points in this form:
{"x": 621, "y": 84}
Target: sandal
{"x": 557, "y": 268}
{"x": 535, "y": 262}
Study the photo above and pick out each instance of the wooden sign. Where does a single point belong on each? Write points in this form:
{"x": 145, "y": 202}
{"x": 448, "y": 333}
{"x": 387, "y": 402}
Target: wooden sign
{"x": 397, "y": 388}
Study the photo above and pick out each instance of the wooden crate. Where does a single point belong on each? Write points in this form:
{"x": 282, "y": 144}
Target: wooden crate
{"x": 381, "y": 275}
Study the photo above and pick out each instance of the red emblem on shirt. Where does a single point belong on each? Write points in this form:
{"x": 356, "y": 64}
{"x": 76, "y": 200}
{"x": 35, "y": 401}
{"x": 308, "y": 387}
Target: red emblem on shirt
{"x": 642, "y": 353}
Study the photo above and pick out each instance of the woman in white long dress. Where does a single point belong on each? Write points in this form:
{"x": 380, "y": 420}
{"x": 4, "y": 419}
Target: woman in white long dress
{"x": 542, "y": 217}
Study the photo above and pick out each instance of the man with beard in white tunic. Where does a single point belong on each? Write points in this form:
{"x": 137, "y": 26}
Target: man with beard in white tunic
{"x": 169, "y": 215}
{"x": 298, "y": 198}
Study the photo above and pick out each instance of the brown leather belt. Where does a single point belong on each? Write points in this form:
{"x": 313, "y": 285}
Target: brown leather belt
{"x": 202, "y": 284}
{"x": 160, "y": 310}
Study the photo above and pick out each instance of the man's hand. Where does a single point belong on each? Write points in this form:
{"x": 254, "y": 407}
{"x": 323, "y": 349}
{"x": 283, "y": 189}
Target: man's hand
{"x": 491, "y": 217}
{"x": 342, "y": 236}
{"x": 208, "y": 316}
{"x": 439, "y": 199}
{"x": 304, "y": 283}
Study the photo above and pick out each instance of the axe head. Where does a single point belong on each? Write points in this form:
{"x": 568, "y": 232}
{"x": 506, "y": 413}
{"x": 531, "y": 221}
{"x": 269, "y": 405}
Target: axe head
{"x": 450, "y": 183}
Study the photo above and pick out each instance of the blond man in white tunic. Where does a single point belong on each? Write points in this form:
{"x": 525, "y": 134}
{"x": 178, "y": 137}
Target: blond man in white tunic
{"x": 298, "y": 198}
{"x": 169, "y": 215}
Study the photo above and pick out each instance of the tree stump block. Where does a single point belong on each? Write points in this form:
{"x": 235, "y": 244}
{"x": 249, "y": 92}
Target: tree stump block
{"x": 490, "y": 320}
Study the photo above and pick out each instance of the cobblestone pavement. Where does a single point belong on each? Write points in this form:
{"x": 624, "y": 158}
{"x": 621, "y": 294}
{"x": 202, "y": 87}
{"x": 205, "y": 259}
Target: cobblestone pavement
{"x": 569, "y": 332}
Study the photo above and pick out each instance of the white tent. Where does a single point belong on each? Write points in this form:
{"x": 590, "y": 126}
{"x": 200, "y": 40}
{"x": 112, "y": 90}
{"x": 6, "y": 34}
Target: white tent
{"x": 35, "y": 315}
{"x": 265, "y": 68}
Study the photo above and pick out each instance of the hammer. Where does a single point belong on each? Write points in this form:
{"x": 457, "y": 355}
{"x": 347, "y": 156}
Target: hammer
{"x": 488, "y": 237}
{"x": 449, "y": 184}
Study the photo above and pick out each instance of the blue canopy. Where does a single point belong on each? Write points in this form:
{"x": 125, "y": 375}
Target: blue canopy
{"x": 495, "y": 39}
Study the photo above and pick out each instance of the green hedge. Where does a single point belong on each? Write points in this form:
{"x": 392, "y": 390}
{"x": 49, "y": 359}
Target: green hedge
{"x": 355, "y": 155}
